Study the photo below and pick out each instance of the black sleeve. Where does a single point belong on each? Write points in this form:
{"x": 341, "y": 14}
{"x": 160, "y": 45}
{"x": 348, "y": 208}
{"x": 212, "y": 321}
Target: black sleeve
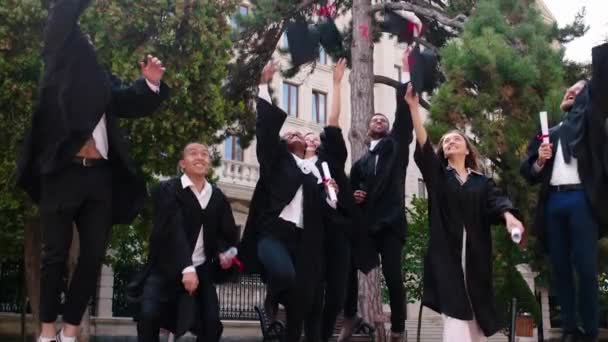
{"x": 61, "y": 22}
{"x": 137, "y": 100}
{"x": 268, "y": 124}
{"x": 356, "y": 180}
{"x": 229, "y": 233}
{"x": 403, "y": 127}
{"x": 526, "y": 168}
{"x": 333, "y": 146}
{"x": 429, "y": 164}
{"x": 168, "y": 239}
{"x": 498, "y": 203}
{"x": 599, "y": 80}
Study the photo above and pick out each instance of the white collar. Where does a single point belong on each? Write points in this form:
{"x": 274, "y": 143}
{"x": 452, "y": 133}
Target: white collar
{"x": 373, "y": 143}
{"x": 204, "y": 196}
{"x": 309, "y": 165}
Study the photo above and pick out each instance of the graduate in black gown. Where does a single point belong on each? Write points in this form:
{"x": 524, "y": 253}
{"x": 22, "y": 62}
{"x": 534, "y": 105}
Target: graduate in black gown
{"x": 463, "y": 204}
{"x": 193, "y": 229}
{"x": 285, "y": 226}
{"x": 378, "y": 179}
{"x": 343, "y": 234}
{"x": 571, "y": 215}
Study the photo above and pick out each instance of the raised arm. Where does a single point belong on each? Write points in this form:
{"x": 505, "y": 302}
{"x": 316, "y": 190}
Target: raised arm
{"x": 268, "y": 123}
{"x": 334, "y": 115}
{"x": 61, "y": 22}
{"x": 333, "y": 145}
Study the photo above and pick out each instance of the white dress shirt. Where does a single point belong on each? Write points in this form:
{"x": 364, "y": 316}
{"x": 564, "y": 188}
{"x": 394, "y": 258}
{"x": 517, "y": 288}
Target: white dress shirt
{"x": 203, "y": 197}
{"x": 373, "y": 144}
{"x": 564, "y": 173}
{"x": 100, "y": 133}
{"x": 264, "y": 93}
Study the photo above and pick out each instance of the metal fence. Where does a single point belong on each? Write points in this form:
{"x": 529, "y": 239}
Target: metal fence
{"x": 237, "y": 299}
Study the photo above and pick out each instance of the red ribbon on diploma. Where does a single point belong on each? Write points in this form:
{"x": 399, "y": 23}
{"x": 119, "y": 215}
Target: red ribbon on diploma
{"x": 238, "y": 264}
{"x": 542, "y": 136}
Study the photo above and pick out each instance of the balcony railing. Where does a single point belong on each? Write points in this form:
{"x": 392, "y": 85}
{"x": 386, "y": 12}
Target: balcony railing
{"x": 239, "y": 173}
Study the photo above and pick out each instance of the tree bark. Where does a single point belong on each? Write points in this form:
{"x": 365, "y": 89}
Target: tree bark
{"x": 456, "y": 23}
{"x": 31, "y": 258}
{"x": 84, "y": 334}
{"x": 362, "y": 103}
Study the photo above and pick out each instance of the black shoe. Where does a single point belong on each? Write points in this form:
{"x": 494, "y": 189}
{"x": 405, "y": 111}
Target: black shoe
{"x": 569, "y": 336}
{"x": 271, "y": 307}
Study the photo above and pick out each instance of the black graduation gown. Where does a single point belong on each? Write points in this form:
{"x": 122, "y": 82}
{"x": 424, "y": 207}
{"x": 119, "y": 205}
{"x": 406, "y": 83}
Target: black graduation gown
{"x": 177, "y": 221}
{"x": 345, "y": 222}
{"x": 280, "y": 178}
{"x": 384, "y": 206}
{"x": 591, "y": 151}
{"x": 476, "y": 205}
{"x": 74, "y": 92}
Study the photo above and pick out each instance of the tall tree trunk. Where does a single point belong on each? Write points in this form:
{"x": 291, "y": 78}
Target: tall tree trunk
{"x": 362, "y": 103}
{"x": 31, "y": 258}
{"x": 84, "y": 334}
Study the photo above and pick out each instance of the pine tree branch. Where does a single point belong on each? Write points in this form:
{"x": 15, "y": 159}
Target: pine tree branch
{"x": 394, "y": 83}
{"x": 456, "y": 22}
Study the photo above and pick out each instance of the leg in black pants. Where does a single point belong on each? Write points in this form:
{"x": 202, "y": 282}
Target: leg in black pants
{"x": 390, "y": 247}
{"x": 148, "y": 320}
{"x": 209, "y": 308}
{"x": 82, "y": 196}
{"x": 337, "y": 277}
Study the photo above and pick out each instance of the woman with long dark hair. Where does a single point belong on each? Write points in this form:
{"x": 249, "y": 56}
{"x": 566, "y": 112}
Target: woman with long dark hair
{"x": 463, "y": 204}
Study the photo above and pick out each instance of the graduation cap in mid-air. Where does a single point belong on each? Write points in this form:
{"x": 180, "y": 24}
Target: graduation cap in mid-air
{"x": 399, "y": 26}
{"x": 424, "y": 72}
{"x": 304, "y": 40}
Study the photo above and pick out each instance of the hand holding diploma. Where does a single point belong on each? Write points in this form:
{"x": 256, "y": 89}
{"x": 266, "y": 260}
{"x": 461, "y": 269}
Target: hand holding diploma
{"x": 515, "y": 227}
{"x": 229, "y": 257}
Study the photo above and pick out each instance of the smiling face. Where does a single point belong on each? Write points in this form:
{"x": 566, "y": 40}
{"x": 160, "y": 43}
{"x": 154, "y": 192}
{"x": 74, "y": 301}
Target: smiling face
{"x": 195, "y": 160}
{"x": 454, "y": 144}
{"x": 570, "y": 95}
{"x": 378, "y": 126}
{"x": 312, "y": 142}
{"x": 295, "y": 141}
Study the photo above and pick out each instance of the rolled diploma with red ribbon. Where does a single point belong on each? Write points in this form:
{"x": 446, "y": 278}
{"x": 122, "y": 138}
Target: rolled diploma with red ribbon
{"x": 544, "y": 127}
{"x": 327, "y": 176}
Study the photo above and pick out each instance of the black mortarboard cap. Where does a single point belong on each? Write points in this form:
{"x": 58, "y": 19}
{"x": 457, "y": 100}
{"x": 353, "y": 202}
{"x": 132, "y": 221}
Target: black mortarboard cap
{"x": 330, "y": 37}
{"x": 303, "y": 43}
{"x": 398, "y": 26}
{"x": 423, "y": 70}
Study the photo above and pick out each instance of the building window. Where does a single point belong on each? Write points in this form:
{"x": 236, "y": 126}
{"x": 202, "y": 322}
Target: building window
{"x": 233, "y": 149}
{"x": 322, "y": 56}
{"x": 319, "y": 107}
{"x": 399, "y": 72}
{"x": 290, "y": 99}
{"x": 421, "y": 188}
{"x": 242, "y": 10}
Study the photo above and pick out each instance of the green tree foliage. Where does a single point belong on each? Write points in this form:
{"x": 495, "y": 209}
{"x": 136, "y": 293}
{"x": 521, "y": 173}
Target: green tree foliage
{"x": 192, "y": 38}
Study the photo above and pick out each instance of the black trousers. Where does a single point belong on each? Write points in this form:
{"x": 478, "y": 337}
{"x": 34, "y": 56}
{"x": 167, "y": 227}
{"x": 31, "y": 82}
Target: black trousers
{"x": 154, "y": 303}
{"x": 390, "y": 247}
{"x": 77, "y": 195}
{"x": 332, "y": 293}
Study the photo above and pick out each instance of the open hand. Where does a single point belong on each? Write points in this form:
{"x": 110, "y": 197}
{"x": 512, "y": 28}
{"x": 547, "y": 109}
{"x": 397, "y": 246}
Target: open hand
{"x": 339, "y": 70}
{"x": 268, "y": 72}
{"x": 152, "y": 69}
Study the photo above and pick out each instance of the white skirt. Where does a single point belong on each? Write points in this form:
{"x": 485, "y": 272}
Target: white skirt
{"x": 457, "y": 330}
